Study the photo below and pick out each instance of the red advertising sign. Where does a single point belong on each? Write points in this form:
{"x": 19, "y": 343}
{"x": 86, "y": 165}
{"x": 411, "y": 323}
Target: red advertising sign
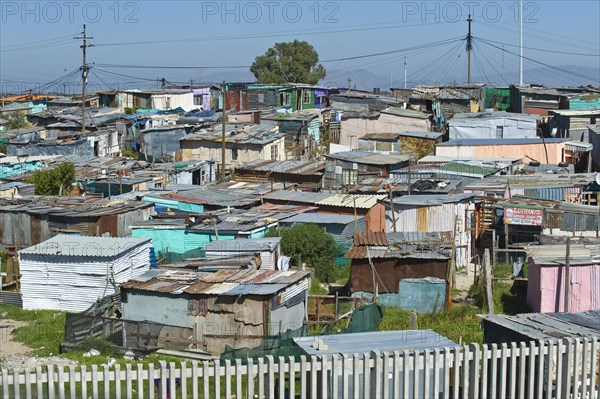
{"x": 526, "y": 216}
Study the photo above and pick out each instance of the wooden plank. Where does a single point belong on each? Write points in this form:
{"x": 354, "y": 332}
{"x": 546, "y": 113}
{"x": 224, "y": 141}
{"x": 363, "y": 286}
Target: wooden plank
{"x": 195, "y": 377}
{"x": 270, "y": 376}
{"x": 95, "y": 381}
{"x": 250, "y": 385}
{"x": 586, "y": 349}
{"x": 437, "y": 365}
{"x": 172, "y": 384}
{"x": 594, "y": 369}
{"x": 292, "y": 376}
{"x": 323, "y": 377}
{"x": 39, "y": 385}
{"x": 550, "y": 365}
{"x": 473, "y": 391}
{"x": 406, "y": 373}
{"x": 446, "y": 354}
{"x": 238, "y": 377}
{"x": 336, "y": 372}
{"x": 576, "y": 363}
{"x": 118, "y": 381}
{"x": 456, "y": 373}
{"x": 367, "y": 375}
{"x": 140, "y": 381}
{"x": 28, "y": 384}
{"x": 522, "y": 368}
{"x": 386, "y": 358}
{"x": 217, "y": 370}
{"x": 162, "y": 393}
{"x": 303, "y": 372}
{"x": 426, "y": 367}
{"x": 128, "y": 381}
{"x": 494, "y": 372}
{"x": 106, "y": 380}
{"x": 17, "y": 386}
{"x": 531, "y": 371}
{"x": 503, "y": 371}
{"x": 512, "y": 380}
{"x": 50, "y": 372}
{"x": 261, "y": 378}
{"x": 540, "y": 370}
{"x": 484, "y": 386}
{"x": 228, "y": 378}
{"x": 356, "y": 375}
{"x": 151, "y": 380}
{"x": 205, "y": 379}
{"x": 83, "y": 379}
{"x": 559, "y": 367}
{"x": 396, "y": 378}
{"x": 567, "y": 368}
{"x": 313, "y": 376}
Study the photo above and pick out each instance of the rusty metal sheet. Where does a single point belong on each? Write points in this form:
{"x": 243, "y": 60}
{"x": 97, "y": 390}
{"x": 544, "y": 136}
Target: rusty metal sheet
{"x": 370, "y": 238}
{"x": 220, "y": 288}
{"x": 198, "y": 288}
{"x": 220, "y": 276}
{"x": 260, "y": 278}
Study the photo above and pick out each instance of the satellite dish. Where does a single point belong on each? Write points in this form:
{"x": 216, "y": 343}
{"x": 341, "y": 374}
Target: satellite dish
{"x": 598, "y": 178}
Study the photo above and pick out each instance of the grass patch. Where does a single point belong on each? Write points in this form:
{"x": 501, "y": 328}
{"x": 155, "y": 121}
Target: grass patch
{"x": 510, "y": 298}
{"x": 43, "y": 334}
{"x": 458, "y": 322}
{"x": 316, "y": 289}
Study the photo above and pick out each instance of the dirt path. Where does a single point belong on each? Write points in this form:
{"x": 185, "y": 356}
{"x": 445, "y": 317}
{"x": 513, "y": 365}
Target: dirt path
{"x": 14, "y": 354}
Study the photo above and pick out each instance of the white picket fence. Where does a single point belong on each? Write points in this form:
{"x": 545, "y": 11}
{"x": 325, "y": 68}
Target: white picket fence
{"x": 554, "y": 369}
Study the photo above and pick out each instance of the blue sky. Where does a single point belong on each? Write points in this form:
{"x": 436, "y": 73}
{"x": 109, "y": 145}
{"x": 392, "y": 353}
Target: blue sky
{"x": 36, "y": 44}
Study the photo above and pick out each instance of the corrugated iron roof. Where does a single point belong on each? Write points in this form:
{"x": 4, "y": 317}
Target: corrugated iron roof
{"x": 222, "y": 282}
{"x": 352, "y": 200}
{"x": 550, "y": 325}
{"x": 370, "y": 238}
{"x": 84, "y": 246}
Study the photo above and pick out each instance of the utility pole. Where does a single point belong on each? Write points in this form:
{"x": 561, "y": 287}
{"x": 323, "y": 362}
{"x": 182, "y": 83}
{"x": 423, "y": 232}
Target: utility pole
{"x": 521, "y": 42}
{"x": 567, "y": 275}
{"x": 469, "y": 47}
{"x": 223, "y": 117}
{"x": 84, "y": 71}
{"x": 405, "y": 70}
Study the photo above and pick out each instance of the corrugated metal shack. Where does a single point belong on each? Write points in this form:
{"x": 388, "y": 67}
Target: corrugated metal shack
{"x": 380, "y": 261}
{"x": 369, "y": 206}
{"x": 268, "y": 249}
{"x": 70, "y": 273}
{"x": 300, "y": 173}
{"x": 230, "y": 307}
{"x": 29, "y": 221}
{"x": 546, "y": 288}
{"x": 539, "y": 326}
{"x": 450, "y": 214}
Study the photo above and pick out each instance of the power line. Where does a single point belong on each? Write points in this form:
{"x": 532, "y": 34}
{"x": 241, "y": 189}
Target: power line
{"x": 542, "y": 49}
{"x": 543, "y": 63}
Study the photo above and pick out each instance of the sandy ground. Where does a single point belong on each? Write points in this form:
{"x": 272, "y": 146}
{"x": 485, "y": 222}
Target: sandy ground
{"x": 14, "y": 354}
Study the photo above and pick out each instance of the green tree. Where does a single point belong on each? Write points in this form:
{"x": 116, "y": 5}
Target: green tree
{"x": 54, "y": 181}
{"x": 17, "y": 122}
{"x": 314, "y": 247}
{"x": 293, "y": 62}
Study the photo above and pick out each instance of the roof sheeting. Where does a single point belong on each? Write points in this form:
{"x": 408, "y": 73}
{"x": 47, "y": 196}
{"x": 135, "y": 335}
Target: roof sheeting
{"x": 350, "y": 201}
{"x": 83, "y": 246}
{"x": 378, "y": 340}
{"x": 229, "y": 282}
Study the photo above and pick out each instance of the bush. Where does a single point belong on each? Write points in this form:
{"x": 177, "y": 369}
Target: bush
{"x": 54, "y": 181}
{"x": 309, "y": 244}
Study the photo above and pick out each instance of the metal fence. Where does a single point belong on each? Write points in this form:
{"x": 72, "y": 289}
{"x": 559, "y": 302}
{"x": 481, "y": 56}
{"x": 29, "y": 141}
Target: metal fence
{"x": 565, "y": 368}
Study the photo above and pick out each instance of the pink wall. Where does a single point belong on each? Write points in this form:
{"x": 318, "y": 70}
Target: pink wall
{"x": 545, "y": 290}
{"x": 535, "y": 151}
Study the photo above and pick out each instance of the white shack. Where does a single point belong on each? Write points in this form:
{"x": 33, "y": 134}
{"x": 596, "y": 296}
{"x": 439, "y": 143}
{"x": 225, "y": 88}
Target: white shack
{"x": 70, "y": 273}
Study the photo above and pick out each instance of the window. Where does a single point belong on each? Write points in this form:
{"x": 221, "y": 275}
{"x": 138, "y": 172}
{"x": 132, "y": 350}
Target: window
{"x": 261, "y": 98}
{"x": 286, "y": 99}
{"x": 274, "y": 152}
{"x": 306, "y": 96}
{"x": 350, "y": 177}
{"x": 234, "y": 154}
{"x": 499, "y": 132}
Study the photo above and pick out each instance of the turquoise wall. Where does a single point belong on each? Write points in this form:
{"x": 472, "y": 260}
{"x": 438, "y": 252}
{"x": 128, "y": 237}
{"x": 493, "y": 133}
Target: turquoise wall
{"x": 577, "y": 103}
{"x": 174, "y": 204}
{"x": 177, "y": 241}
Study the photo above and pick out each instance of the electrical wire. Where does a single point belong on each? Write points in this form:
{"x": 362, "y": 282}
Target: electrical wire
{"x": 542, "y": 63}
